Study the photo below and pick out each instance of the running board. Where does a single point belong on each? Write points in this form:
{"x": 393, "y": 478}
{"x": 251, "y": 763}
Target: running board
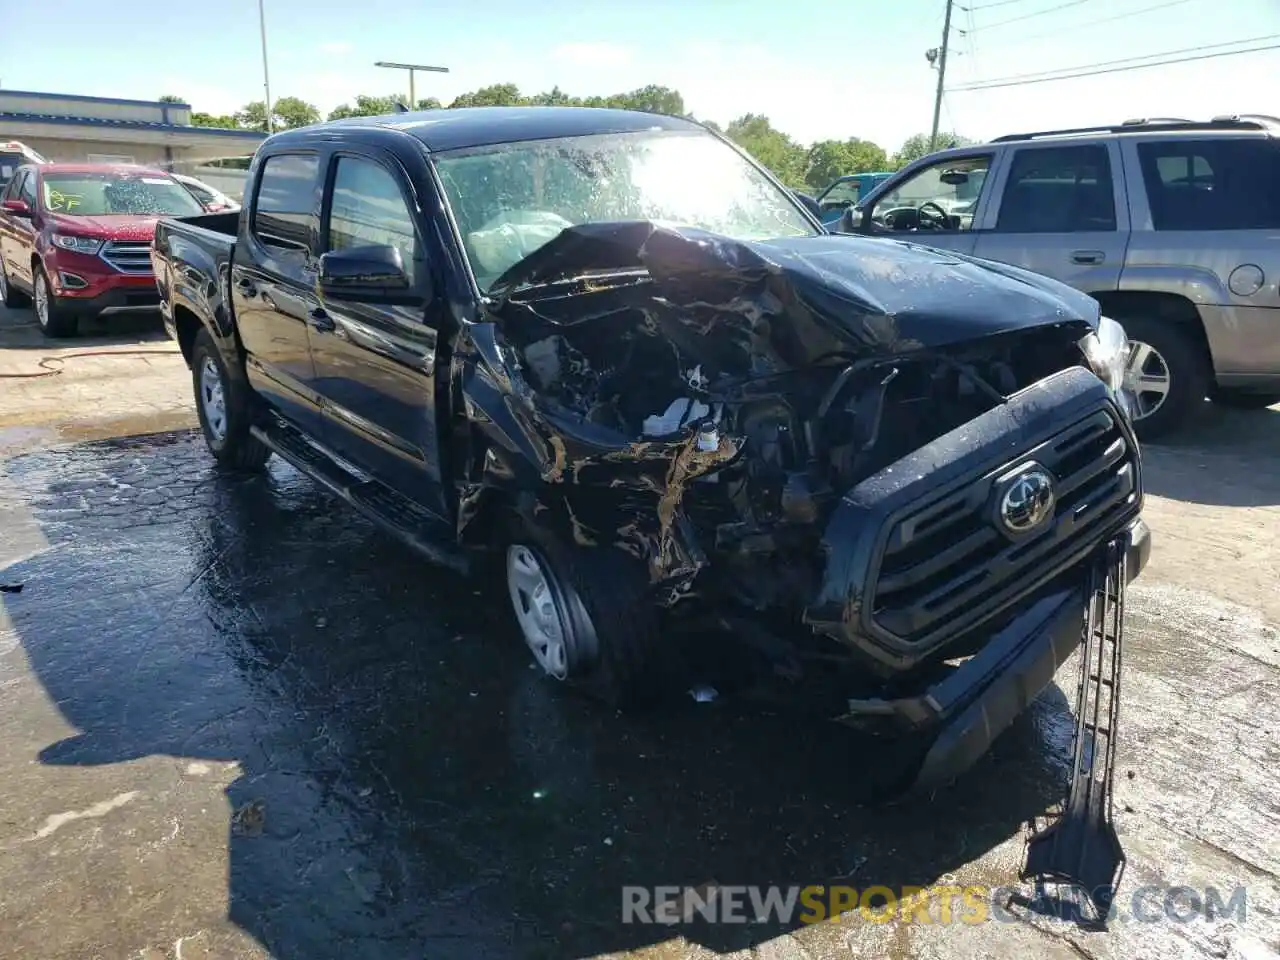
{"x": 1081, "y": 847}
{"x": 414, "y": 525}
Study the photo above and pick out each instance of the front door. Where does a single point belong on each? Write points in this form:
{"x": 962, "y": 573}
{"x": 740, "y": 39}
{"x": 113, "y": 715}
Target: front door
{"x": 376, "y": 363}
{"x": 272, "y": 285}
{"x": 17, "y": 233}
{"x": 1061, "y": 214}
{"x": 940, "y": 204}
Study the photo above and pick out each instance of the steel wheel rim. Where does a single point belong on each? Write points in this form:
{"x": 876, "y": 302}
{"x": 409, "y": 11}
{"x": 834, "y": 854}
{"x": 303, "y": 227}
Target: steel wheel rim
{"x": 42, "y": 301}
{"x": 533, "y": 598}
{"x": 1146, "y": 376}
{"x": 212, "y": 399}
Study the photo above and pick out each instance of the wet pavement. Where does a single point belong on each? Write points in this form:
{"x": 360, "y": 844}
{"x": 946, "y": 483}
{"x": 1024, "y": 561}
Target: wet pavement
{"x": 238, "y": 721}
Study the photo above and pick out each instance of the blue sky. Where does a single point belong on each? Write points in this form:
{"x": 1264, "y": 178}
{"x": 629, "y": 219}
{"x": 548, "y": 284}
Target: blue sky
{"x": 817, "y": 68}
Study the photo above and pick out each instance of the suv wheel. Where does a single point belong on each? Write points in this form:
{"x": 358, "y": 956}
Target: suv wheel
{"x": 224, "y": 405}
{"x": 54, "y": 319}
{"x": 9, "y": 296}
{"x": 1168, "y": 375}
{"x": 585, "y": 616}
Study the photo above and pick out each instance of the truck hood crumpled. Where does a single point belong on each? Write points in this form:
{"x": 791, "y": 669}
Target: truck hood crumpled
{"x": 878, "y": 295}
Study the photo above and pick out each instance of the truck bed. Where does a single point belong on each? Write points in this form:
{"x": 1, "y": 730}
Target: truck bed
{"x": 191, "y": 257}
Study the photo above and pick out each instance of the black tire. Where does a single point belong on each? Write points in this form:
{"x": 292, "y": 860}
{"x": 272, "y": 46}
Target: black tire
{"x": 617, "y": 653}
{"x": 8, "y": 295}
{"x": 227, "y": 436}
{"x": 1190, "y": 376}
{"x": 1238, "y": 400}
{"x": 55, "y": 320}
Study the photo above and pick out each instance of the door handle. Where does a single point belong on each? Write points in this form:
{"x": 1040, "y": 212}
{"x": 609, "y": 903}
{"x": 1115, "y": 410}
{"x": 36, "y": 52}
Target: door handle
{"x": 247, "y": 287}
{"x": 1087, "y": 256}
{"x": 320, "y": 320}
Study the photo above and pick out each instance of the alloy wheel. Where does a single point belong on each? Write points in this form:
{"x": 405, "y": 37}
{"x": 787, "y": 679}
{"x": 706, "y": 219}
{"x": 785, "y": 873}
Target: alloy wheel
{"x": 213, "y": 399}
{"x": 1147, "y": 377}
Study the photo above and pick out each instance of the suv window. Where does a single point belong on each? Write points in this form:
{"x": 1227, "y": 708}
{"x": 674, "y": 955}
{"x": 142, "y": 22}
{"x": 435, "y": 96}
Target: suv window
{"x": 942, "y": 196}
{"x": 1212, "y": 184}
{"x": 840, "y": 195}
{"x": 282, "y": 211}
{"x": 9, "y": 164}
{"x": 1058, "y": 190}
{"x": 367, "y": 207}
{"x": 27, "y": 190}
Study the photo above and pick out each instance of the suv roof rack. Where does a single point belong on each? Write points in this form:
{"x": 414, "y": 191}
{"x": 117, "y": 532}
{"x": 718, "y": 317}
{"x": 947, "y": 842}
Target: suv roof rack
{"x": 1244, "y": 121}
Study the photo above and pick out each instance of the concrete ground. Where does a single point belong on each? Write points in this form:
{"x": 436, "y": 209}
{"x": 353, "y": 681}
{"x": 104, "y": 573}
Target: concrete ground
{"x": 237, "y": 721}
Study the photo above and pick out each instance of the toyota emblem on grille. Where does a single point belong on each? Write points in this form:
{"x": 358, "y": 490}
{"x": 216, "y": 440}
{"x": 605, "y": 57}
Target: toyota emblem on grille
{"x": 1027, "y": 501}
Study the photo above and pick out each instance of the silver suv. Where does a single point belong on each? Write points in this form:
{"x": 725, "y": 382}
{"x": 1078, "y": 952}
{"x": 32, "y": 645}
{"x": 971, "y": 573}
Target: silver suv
{"x": 1172, "y": 225}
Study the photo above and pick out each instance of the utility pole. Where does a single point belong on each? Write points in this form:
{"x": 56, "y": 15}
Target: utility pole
{"x": 940, "y": 54}
{"x": 266, "y": 77}
{"x": 411, "y": 67}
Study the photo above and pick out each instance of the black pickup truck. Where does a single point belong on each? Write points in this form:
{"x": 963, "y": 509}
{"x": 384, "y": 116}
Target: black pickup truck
{"x": 613, "y": 354}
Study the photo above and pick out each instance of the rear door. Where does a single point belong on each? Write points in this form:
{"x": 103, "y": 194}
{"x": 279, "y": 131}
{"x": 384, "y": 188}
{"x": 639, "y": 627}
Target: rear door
{"x": 17, "y": 233}
{"x": 273, "y": 276}
{"x": 1061, "y": 213}
{"x": 941, "y": 204}
{"x": 376, "y": 363}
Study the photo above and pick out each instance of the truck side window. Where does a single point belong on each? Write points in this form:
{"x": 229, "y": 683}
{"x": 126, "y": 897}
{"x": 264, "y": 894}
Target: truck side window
{"x": 1226, "y": 184}
{"x": 1058, "y": 190}
{"x": 367, "y": 208}
{"x": 284, "y": 206}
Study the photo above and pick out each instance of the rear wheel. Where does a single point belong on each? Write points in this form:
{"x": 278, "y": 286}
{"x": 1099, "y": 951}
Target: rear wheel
{"x": 1168, "y": 374}
{"x": 8, "y": 295}
{"x": 54, "y": 318}
{"x": 224, "y": 406}
{"x": 586, "y": 617}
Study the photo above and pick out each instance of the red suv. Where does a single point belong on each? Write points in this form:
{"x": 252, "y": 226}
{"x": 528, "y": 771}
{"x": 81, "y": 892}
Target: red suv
{"x": 76, "y": 238}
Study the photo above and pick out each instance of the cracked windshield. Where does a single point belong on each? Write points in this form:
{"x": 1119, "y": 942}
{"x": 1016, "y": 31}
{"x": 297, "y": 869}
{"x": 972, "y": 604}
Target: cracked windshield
{"x": 511, "y": 199}
{"x": 88, "y": 195}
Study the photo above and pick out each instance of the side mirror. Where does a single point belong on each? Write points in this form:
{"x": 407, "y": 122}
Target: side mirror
{"x": 809, "y": 204}
{"x": 16, "y": 207}
{"x": 374, "y": 274}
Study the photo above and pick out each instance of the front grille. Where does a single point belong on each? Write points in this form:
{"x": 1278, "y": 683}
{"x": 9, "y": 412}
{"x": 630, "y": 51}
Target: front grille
{"x": 128, "y": 256}
{"x": 945, "y": 564}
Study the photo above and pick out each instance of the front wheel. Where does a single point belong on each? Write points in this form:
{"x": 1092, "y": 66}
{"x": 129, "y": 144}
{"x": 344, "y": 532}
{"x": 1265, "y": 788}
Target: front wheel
{"x": 224, "y": 405}
{"x": 1168, "y": 374}
{"x": 586, "y": 617}
{"x": 54, "y": 319}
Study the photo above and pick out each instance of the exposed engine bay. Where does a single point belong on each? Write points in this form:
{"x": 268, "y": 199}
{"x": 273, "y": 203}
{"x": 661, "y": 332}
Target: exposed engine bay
{"x": 783, "y": 395}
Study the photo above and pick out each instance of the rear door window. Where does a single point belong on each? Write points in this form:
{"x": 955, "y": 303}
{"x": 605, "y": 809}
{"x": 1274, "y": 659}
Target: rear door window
{"x": 284, "y": 213}
{"x": 1229, "y": 184}
{"x": 1058, "y": 190}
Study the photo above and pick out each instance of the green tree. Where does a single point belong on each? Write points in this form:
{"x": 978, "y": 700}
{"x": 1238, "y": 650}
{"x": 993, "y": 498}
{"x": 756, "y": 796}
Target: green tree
{"x": 292, "y": 112}
{"x": 828, "y": 159}
{"x": 171, "y": 98}
{"x": 497, "y": 95}
{"x": 650, "y": 99}
{"x": 367, "y": 106}
{"x": 777, "y": 151}
{"x": 429, "y": 103}
{"x": 252, "y": 116}
{"x": 224, "y": 121}
{"x": 555, "y": 97}
{"x": 917, "y": 146}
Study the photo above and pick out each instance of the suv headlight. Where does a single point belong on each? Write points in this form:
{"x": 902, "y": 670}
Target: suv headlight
{"x": 77, "y": 244}
{"x": 1107, "y": 352}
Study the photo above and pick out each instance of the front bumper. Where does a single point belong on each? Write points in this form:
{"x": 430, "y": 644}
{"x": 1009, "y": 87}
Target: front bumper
{"x": 86, "y": 285}
{"x": 976, "y": 702}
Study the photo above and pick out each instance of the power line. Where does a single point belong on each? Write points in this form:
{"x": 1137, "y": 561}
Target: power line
{"x": 1032, "y": 15}
{"x": 1087, "y": 72}
{"x": 1070, "y": 28}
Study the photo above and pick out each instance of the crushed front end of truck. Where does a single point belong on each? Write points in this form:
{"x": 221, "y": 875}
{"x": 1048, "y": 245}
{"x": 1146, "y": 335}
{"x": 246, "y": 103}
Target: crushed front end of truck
{"x": 893, "y": 462}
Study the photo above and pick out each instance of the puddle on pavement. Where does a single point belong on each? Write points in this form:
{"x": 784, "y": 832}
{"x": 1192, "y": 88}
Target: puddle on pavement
{"x": 386, "y": 722}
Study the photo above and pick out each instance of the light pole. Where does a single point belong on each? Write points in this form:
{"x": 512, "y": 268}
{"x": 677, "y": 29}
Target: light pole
{"x": 266, "y": 77}
{"x": 413, "y": 100}
{"x": 940, "y": 55}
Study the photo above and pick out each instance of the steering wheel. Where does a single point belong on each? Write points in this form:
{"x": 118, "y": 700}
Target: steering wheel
{"x": 938, "y": 221}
